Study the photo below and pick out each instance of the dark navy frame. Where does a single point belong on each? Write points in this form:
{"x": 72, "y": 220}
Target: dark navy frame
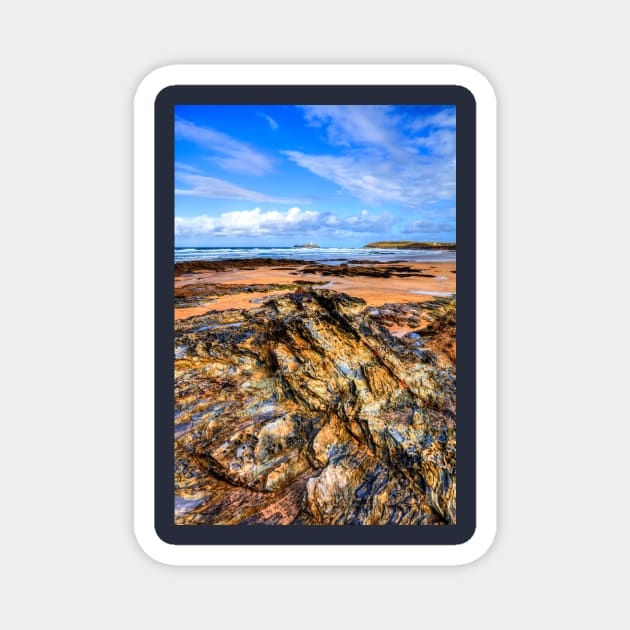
{"x": 165, "y": 104}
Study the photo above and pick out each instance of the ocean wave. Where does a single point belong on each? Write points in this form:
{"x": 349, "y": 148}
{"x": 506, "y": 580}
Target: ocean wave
{"x": 330, "y": 255}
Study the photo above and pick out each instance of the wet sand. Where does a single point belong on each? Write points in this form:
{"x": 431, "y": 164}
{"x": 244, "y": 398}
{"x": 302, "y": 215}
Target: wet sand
{"x": 375, "y": 291}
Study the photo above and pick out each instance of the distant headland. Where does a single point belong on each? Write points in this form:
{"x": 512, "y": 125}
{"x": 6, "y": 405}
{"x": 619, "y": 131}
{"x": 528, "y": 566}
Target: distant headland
{"x": 409, "y": 245}
{"x": 307, "y": 246}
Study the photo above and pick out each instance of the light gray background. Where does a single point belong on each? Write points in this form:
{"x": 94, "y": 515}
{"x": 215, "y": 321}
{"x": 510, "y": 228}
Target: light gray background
{"x": 69, "y": 70}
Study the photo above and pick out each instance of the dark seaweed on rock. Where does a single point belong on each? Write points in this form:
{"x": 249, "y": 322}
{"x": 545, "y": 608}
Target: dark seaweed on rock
{"x": 378, "y": 270}
{"x": 192, "y": 266}
{"x": 373, "y": 269}
{"x": 308, "y": 411}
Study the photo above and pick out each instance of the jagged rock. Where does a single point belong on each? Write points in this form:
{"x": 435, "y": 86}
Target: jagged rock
{"x": 306, "y": 410}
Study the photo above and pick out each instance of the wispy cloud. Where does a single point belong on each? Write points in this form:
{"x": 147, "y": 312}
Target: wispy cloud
{"x": 293, "y": 221}
{"x": 375, "y": 181}
{"x": 213, "y": 188}
{"x": 272, "y": 123}
{"x": 440, "y": 143}
{"x": 386, "y": 156}
{"x": 423, "y": 226}
{"x": 227, "y": 152}
{"x": 367, "y": 126}
{"x": 180, "y": 166}
{"x": 446, "y": 118}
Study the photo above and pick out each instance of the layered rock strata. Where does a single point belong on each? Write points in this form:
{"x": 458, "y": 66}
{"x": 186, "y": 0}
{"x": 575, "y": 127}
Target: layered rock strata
{"x": 307, "y": 411}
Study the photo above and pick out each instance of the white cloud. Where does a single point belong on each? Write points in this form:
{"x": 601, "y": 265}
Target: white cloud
{"x": 180, "y": 166}
{"x": 445, "y": 118}
{"x": 296, "y": 221}
{"x": 272, "y": 123}
{"x": 213, "y": 188}
{"x": 363, "y": 125}
{"x": 424, "y": 226}
{"x": 387, "y": 155}
{"x": 440, "y": 143}
{"x": 374, "y": 180}
{"x": 227, "y": 152}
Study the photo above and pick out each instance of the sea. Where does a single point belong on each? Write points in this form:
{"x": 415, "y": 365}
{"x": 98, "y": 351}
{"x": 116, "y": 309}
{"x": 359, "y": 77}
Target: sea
{"x": 329, "y": 255}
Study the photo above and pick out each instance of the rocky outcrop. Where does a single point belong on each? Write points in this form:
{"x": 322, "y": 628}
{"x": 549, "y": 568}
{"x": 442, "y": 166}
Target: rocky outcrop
{"x": 436, "y": 319}
{"x": 194, "y": 266}
{"x": 308, "y": 411}
{"x": 373, "y": 270}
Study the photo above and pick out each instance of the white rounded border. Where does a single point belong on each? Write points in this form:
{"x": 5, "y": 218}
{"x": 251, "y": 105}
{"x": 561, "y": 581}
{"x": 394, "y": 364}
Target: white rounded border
{"x": 311, "y": 555}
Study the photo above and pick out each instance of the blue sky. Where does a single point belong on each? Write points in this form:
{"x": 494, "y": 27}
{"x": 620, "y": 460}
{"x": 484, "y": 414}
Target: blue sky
{"x": 340, "y": 176}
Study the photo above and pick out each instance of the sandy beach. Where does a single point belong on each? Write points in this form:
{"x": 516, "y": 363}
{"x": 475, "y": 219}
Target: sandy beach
{"x": 374, "y": 290}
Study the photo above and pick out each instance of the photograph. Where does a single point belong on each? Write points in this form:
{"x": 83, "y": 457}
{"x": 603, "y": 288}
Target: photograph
{"x": 315, "y": 309}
